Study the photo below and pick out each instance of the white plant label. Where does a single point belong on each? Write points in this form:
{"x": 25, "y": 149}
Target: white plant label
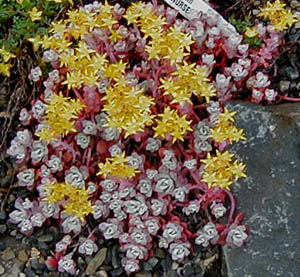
{"x": 190, "y": 8}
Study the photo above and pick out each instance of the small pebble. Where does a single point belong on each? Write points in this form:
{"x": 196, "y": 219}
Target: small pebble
{"x": 101, "y": 273}
{"x": 34, "y": 253}
{"x": 13, "y": 233}
{"x": 284, "y": 86}
{"x": 97, "y": 261}
{"x": 2, "y": 269}
{"x": 2, "y": 215}
{"x": 45, "y": 238}
{"x": 3, "y": 228}
{"x": 295, "y": 4}
{"x": 159, "y": 253}
{"x": 22, "y": 274}
{"x": 292, "y": 73}
{"x": 29, "y": 272}
{"x": 8, "y": 254}
{"x": 116, "y": 272}
{"x": 2, "y": 246}
{"x": 116, "y": 263}
{"x": 297, "y": 25}
{"x": 175, "y": 265}
{"x": 23, "y": 256}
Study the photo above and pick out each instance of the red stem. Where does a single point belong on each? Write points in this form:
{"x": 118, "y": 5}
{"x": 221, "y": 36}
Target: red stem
{"x": 292, "y": 99}
{"x": 233, "y": 205}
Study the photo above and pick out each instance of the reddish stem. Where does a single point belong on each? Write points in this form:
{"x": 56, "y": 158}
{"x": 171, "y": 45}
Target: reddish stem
{"x": 292, "y": 99}
{"x": 233, "y": 205}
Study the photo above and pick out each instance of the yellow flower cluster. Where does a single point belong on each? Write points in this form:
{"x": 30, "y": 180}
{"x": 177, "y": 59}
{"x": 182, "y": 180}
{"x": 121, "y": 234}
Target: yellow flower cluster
{"x": 171, "y": 123}
{"x": 60, "y": 115}
{"x": 35, "y": 14}
{"x": 172, "y": 44}
{"x": 5, "y": 66}
{"x": 75, "y": 201}
{"x": 280, "y": 17}
{"x": 128, "y": 108}
{"x": 225, "y": 130}
{"x": 187, "y": 80}
{"x": 85, "y": 65}
{"x": 117, "y": 166}
{"x": 221, "y": 170}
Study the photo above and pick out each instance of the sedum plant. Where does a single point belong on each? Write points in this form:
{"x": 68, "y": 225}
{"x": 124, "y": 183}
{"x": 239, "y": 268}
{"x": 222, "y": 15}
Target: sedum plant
{"x": 129, "y": 130}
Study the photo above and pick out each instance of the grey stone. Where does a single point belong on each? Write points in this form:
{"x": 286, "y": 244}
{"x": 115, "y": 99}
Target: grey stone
{"x": 97, "y": 261}
{"x": 270, "y": 196}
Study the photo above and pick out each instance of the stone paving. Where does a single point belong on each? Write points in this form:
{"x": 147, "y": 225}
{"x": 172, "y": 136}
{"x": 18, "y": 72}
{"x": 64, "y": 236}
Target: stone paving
{"x": 270, "y": 196}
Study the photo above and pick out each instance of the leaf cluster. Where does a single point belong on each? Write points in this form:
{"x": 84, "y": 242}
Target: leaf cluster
{"x": 15, "y": 23}
{"x": 254, "y": 42}
{"x": 240, "y": 25}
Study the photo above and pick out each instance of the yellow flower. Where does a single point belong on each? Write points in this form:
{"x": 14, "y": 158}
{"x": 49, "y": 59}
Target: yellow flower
{"x": 5, "y": 55}
{"x": 251, "y": 32}
{"x": 5, "y": 69}
{"x": 35, "y": 14}
{"x": 61, "y": 1}
{"x": 286, "y": 20}
{"x": 128, "y": 108}
{"x": 189, "y": 79}
{"x": 83, "y": 51}
{"x": 36, "y": 41}
{"x": 58, "y": 27}
{"x": 221, "y": 171}
{"x": 225, "y": 130}
{"x": 170, "y": 123}
{"x": 131, "y": 16}
{"x": 61, "y": 111}
{"x": 117, "y": 166}
{"x": 74, "y": 80}
{"x": 114, "y": 71}
{"x": 270, "y": 10}
{"x": 75, "y": 201}
{"x": 280, "y": 18}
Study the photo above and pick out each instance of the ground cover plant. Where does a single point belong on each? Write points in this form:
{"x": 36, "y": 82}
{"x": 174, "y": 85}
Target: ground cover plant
{"x": 127, "y": 136}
